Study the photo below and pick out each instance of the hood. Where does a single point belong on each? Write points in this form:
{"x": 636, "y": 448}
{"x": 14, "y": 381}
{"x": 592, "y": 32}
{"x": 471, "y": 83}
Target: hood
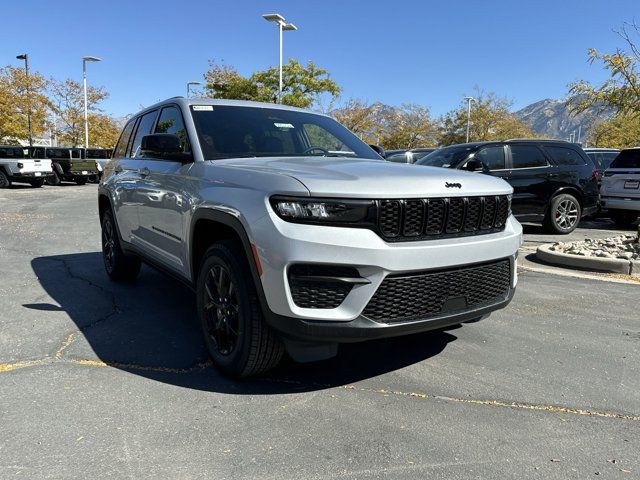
{"x": 360, "y": 178}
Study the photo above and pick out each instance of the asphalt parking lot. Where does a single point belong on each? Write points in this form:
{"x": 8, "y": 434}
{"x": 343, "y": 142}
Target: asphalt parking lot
{"x": 99, "y": 380}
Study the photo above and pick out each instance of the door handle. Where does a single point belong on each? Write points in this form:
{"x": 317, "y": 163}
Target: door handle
{"x": 143, "y": 172}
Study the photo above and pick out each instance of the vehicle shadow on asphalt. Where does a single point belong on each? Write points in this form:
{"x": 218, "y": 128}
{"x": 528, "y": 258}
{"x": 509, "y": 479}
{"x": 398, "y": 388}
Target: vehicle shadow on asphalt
{"x": 149, "y": 328}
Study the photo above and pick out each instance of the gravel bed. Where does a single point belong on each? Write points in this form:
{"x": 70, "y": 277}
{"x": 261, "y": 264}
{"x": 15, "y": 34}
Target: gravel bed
{"x": 625, "y": 247}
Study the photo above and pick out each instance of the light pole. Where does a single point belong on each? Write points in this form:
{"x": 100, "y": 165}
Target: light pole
{"x": 469, "y": 100}
{"x": 84, "y": 85}
{"x": 279, "y": 19}
{"x": 189, "y": 85}
{"x": 25, "y": 57}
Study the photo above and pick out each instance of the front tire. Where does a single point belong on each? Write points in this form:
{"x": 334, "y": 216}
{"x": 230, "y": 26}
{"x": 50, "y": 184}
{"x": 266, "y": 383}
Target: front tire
{"x": 119, "y": 266}
{"x": 563, "y": 215}
{"x": 238, "y": 339}
{"x": 81, "y": 181}
{"x": 623, "y": 218}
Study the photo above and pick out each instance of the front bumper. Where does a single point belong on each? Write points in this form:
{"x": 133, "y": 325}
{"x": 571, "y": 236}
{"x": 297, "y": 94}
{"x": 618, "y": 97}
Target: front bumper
{"x": 284, "y": 244}
{"x": 362, "y": 328}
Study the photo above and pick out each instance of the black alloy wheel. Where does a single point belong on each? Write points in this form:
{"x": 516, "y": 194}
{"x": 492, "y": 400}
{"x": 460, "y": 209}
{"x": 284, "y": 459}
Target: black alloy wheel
{"x": 221, "y": 310}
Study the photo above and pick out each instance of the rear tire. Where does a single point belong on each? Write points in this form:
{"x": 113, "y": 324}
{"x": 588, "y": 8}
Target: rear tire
{"x": 53, "y": 180}
{"x": 37, "y": 183}
{"x": 119, "y": 266}
{"x": 563, "y": 215}
{"x": 4, "y": 180}
{"x": 624, "y": 218}
{"x": 240, "y": 342}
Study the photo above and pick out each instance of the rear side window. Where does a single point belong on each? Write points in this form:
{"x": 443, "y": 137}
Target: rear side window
{"x": 565, "y": 156}
{"x": 121, "y": 146}
{"x": 492, "y": 157}
{"x": 527, "y": 156}
{"x": 627, "y": 159}
{"x": 11, "y": 153}
{"x": 170, "y": 121}
{"x": 144, "y": 128}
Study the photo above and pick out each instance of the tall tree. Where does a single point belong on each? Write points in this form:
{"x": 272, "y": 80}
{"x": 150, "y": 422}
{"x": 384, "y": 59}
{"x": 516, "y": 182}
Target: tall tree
{"x": 408, "y": 126}
{"x": 103, "y": 131}
{"x": 621, "y": 131}
{"x": 68, "y": 103}
{"x": 491, "y": 119}
{"x": 302, "y": 85}
{"x": 18, "y": 97}
{"x": 360, "y": 117}
{"x": 621, "y": 91}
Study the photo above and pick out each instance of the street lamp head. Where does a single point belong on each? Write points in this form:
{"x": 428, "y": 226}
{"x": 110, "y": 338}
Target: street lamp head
{"x": 91, "y": 59}
{"x": 289, "y": 26}
{"x": 22, "y": 57}
{"x": 273, "y": 17}
{"x": 194, "y": 83}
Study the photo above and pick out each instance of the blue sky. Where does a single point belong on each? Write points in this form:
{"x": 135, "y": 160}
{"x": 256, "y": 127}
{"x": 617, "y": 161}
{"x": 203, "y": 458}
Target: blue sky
{"x": 426, "y": 52}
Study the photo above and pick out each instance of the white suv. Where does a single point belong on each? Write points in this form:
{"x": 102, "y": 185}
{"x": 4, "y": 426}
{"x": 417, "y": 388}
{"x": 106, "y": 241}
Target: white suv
{"x": 297, "y": 236}
{"x": 620, "y": 190}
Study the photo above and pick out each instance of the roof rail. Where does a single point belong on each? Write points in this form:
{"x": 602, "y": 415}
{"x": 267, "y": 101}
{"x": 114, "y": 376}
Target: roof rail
{"x": 535, "y": 140}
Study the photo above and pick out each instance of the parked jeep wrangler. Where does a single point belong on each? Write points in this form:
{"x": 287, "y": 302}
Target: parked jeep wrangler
{"x": 16, "y": 166}
{"x": 68, "y": 164}
{"x": 297, "y": 236}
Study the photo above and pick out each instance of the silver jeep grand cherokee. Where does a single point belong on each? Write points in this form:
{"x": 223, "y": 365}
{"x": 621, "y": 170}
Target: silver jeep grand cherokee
{"x": 296, "y": 235}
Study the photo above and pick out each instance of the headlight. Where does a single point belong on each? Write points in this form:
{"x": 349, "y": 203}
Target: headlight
{"x": 315, "y": 210}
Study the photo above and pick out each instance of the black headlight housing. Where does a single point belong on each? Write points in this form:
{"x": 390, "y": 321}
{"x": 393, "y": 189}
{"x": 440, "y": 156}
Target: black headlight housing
{"x": 325, "y": 211}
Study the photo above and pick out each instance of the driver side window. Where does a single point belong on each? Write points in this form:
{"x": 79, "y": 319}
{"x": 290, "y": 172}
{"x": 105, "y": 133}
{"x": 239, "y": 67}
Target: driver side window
{"x": 323, "y": 140}
{"x": 492, "y": 157}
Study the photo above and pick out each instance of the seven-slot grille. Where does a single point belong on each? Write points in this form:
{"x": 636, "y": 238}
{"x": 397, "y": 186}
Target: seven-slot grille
{"x": 413, "y": 219}
{"x": 418, "y": 296}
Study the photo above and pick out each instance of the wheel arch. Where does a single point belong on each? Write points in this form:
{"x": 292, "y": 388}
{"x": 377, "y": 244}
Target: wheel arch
{"x": 209, "y": 226}
{"x": 569, "y": 189}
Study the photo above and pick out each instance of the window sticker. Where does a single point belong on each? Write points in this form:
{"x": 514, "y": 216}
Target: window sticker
{"x": 202, "y": 108}
{"x": 284, "y": 125}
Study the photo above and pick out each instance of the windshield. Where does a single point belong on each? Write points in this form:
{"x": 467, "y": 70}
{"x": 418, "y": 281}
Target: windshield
{"x": 227, "y": 131}
{"x": 447, "y": 156}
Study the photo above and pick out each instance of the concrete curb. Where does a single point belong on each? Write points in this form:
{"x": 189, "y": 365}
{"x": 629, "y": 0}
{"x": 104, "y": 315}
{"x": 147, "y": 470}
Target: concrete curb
{"x": 598, "y": 264}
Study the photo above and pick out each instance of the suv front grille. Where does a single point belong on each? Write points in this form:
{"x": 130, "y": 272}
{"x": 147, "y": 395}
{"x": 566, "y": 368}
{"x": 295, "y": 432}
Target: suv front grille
{"x": 417, "y": 296}
{"x": 422, "y": 219}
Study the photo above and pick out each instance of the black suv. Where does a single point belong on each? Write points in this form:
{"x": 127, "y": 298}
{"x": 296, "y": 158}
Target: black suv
{"x": 553, "y": 181}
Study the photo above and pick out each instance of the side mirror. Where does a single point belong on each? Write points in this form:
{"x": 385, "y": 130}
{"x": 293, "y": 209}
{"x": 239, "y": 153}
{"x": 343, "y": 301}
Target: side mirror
{"x": 475, "y": 166}
{"x": 379, "y": 150}
{"x": 165, "y": 146}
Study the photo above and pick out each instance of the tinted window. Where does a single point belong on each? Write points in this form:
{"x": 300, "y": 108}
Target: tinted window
{"x": 121, "y": 146}
{"x": 170, "y": 121}
{"x": 492, "y": 157}
{"x": 607, "y": 158}
{"x": 227, "y": 132}
{"x": 446, "y": 157}
{"x": 627, "y": 159}
{"x": 527, "y": 156}
{"x": 10, "y": 152}
{"x": 565, "y": 156}
{"x": 144, "y": 128}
